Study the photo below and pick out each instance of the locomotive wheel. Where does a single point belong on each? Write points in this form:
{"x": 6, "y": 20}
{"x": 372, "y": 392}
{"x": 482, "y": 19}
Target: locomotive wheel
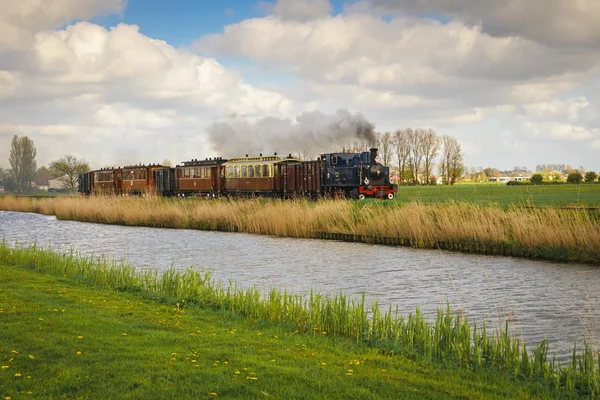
{"x": 361, "y": 196}
{"x": 390, "y": 196}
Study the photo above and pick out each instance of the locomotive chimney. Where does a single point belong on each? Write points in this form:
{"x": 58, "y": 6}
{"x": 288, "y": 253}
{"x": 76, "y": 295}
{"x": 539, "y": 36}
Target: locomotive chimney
{"x": 373, "y": 154}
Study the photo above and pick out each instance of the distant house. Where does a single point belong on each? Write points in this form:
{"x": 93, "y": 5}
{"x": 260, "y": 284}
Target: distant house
{"x": 1, "y": 189}
{"x": 521, "y": 178}
{"x": 499, "y": 179}
{"x": 554, "y": 174}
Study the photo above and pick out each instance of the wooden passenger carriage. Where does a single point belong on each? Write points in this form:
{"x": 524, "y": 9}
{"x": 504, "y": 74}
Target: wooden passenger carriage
{"x": 136, "y": 179}
{"x": 200, "y": 176}
{"x": 256, "y": 175}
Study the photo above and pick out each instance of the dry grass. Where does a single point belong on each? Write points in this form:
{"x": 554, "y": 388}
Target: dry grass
{"x": 576, "y": 232}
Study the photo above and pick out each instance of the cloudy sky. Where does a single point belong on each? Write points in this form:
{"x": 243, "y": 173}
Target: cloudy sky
{"x": 115, "y": 81}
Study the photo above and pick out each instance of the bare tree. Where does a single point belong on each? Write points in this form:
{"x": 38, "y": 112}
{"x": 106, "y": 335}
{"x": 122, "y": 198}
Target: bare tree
{"x": 68, "y": 169}
{"x": 430, "y": 143}
{"x": 451, "y": 166}
{"x": 402, "y": 149}
{"x": 416, "y": 154}
{"x": 386, "y": 147}
{"x": 22, "y": 162}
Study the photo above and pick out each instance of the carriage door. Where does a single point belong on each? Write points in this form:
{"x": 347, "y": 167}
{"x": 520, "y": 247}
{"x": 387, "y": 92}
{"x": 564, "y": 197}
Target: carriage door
{"x": 214, "y": 179}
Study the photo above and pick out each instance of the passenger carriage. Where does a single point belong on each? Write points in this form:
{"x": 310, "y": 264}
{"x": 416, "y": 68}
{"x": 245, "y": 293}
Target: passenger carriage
{"x": 260, "y": 175}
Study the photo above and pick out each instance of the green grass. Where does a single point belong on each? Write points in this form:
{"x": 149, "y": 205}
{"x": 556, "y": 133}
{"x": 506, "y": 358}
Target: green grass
{"x": 449, "y": 340}
{"x": 67, "y": 338}
{"x": 504, "y": 195}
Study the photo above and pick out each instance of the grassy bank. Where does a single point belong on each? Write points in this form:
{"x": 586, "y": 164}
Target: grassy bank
{"x": 313, "y": 347}
{"x": 62, "y": 338}
{"x": 547, "y": 233}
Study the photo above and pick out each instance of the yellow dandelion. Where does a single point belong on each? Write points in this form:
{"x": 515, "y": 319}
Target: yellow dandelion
{"x": 197, "y": 366}
{"x": 272, "y": 360}
{"x": 28, "y": 376}
{"x": 31, "y": 356}
{"x": 78, "y": 353}
{"x": 123, "y": 334}
{"x": 193, "y": 361}
{"x": 40, "y": 319}
{"x": 324, "y": 333}
{"x": 17, "y": 374}
{"x": 173, "y": 354}
{"x": 276, "y": 337}
{"x": 237, "y": 372}
{"x": 348, "y": 373}
{"x": 323, "y": 364}
{"x": 79, "y": 337}
{"x": 212, "y": 394}
{"x": 225, "y": 362}
{"x": 259, "y": 334}
{"x": 4, "y": 366}
{"x": 215, "y": 365}
{"x": 172, "y": 359}
{"x": 14, "y": 352}
{"x": 29, "y": 393}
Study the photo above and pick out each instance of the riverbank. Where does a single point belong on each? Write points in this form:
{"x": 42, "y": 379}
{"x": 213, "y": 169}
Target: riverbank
{"x": 542, "y": 233}
{"x": 445, "y": 350}
{"x": 65, "y": 337}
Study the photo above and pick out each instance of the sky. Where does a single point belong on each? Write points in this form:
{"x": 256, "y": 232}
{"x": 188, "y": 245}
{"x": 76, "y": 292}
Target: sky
{"x": 121, "y": 82}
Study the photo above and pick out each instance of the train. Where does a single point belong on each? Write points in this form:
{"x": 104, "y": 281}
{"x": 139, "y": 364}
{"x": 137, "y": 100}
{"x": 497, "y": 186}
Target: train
{"x": 337, "y": 175}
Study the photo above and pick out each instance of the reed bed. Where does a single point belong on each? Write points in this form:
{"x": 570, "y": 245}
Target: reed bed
{"x": 449, "y": 338}
{"x": 546, "y": 232}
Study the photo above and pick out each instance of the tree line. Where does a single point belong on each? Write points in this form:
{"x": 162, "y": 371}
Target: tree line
{"x": 416, "y": 155}
{"x": 23, "y": 168}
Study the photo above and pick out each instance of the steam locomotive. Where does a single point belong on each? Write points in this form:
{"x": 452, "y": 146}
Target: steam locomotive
{"x": 348, "y": 175}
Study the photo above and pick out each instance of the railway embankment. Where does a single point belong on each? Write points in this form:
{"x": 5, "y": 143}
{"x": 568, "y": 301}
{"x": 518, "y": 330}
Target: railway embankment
{"x": 567, "y": 235}
{"x": 76, "y": 326}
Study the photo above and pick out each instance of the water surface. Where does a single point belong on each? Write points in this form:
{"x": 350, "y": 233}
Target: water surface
{"x": 540, "y": 299}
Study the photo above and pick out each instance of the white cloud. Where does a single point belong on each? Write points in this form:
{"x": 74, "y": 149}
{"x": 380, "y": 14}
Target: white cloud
{"x": 554, "y": 22}
{"x": 104, "y": 91}
{"x": 407, "y": 56}
{"x": 21, "y": 19}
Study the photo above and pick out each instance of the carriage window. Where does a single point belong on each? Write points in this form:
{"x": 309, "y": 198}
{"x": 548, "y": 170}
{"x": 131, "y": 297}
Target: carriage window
{"x": 237, "y": 172}
{"x": 230, "y": 172}
{"x": 244, "y": 172}
{"x": 266, "y": 171}
{"x": 258, "y": 171}
{"x": 250, "y": 171}
{"x": 207, "y": 172}
{"x": 334, "y": 160}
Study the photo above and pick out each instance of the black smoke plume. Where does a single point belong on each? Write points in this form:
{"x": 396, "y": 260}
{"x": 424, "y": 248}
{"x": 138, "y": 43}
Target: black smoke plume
{"x": 311, "y": 132}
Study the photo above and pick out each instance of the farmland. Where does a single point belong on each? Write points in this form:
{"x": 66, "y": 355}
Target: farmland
{"x": 504, "y": 195}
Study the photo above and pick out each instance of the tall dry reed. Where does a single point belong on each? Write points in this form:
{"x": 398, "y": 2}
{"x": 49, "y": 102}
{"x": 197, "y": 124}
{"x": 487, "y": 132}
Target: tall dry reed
{"x": 552, "y": 233}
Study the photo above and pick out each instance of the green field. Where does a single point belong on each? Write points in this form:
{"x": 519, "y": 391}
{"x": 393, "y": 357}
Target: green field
{"x": 65, "y": 338}
{"x": 502, "y": 194}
